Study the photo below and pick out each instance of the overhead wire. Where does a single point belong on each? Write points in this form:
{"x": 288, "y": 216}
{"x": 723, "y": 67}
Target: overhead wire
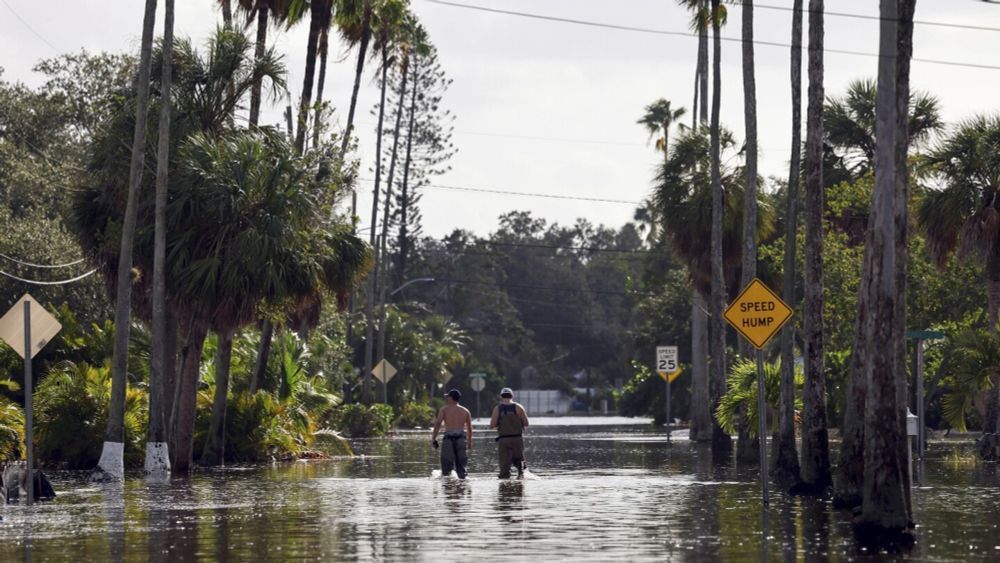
{"x": 654, "y": 31}
{"x": 39, "y": 282}
{"x": 42, "y": 266}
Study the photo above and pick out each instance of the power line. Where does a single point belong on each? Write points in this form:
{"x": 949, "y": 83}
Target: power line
{"x": 42, "y": 266}
{"x": 864, "y": 16}
{"x": 523, "y": 194}
{"x": 690, "y": 35}
{"x": 28, "y": 26}
{"x": 37, "y": 282}
{"x": 547, "y": 288}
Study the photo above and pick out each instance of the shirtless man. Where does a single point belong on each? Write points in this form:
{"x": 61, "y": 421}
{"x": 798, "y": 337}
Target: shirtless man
{"x": 457, "y": 425}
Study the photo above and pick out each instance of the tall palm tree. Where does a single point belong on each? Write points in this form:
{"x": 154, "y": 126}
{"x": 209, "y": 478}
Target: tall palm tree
{"x": 701, "y": 417}
{"x": 111, "y": 464}
{"x": 354, "y": 21}
{"x": 786, "y": 457}
{"x": 263, "y": 11}
{"x": 157, "y": 454}
{"x": 721, "y": 440}
{"x": 815, "y": 467}
{"x": 884, "y": 504}
{"x": 657, "y": 120}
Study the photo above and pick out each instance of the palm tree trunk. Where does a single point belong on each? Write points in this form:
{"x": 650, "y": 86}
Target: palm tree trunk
{"x": 111, "y": 464}
{"x": 185, "y": 398}
{"x": 901, "y": 222}
{"x": 748, "y": 450}
{"x": 215, "y": 445}
{"x": 320, "y": 83}
{"x": 404, "y": 207}
{"x": 366, "y": 35}
{"x": 263, "y": 353}
{"x": 373, "y": 277}
{"x": 815, "y": 467}
{"x": 316, "y": 25}
{"x": 786, "y": 457}
{"x": 227, "y": 13}
{"x": 703, "y": 65}
{"x": 884, "y": 506}
{"x": 721, "y": 441}
{"x": 701, "y": 417}
{"x": 388, "y": 204}
{"x": 169, "y": 370}
{"x": 259, "y": 50}
{"x": 157, "y": 456}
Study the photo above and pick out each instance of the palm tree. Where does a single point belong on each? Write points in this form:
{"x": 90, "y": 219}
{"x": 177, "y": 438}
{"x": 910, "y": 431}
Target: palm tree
{"x": 111, "y": 464}
{"x": 354, "y": 21}
{"x": 259, "y": 205}
{"x": 815, "y": 466}
{"x": 721, "y": 441}
{"x": 157, "y": 455}
{"x": 963, "y": 215}
{"x": 884, "y": 503}
{"x": 786, "y": 457}
{"x": 849, "y": 123}
{"x": 700, "y": 19}
{"x": 657, "y": 120}
{"x": 206, "y": 91}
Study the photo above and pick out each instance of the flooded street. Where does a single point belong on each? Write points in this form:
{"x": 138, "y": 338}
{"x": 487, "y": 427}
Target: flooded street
{"x": 600, "y": 493}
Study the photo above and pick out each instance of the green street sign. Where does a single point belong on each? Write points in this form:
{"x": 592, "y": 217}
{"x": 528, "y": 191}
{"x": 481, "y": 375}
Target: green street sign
{"x": 925, "y": 334}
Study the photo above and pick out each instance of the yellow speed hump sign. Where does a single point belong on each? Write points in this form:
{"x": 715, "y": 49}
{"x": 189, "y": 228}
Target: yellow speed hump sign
{"x": 758, "y": 313}
{"x": 672, "y": 375}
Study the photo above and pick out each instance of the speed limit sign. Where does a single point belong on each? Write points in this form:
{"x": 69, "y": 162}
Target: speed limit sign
{"x": 666, "y": 359}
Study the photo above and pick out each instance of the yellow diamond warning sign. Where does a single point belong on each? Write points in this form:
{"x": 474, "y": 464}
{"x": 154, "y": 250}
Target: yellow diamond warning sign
{"x": 758, "y": 313}
{"x": 673, "y": 375}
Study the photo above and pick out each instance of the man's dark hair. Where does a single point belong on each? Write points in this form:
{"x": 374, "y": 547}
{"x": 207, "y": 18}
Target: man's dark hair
{"x": 455, "y": 394}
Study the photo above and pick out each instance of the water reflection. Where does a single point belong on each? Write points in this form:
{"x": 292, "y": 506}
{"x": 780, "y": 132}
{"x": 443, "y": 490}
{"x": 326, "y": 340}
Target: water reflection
{"x": 601, "y": 494}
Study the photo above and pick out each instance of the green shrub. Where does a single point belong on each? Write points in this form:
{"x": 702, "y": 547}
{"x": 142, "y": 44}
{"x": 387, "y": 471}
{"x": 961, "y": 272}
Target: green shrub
{"x": 415, "y": 415}
{"x": 360, "y": 421}
{"x": 11, "y": 430}
{"x": 71, "y": 414}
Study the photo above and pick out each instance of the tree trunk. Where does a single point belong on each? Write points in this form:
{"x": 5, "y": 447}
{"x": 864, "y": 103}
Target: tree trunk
{"x": 404, "y": 201}
{"x": 815, "y": 445}
{"x": 157, "y": 457}
{"x": 366, "y": 35}
{"x": 703, "y": 64}
{"x": 366, "y": 392}
{"x": 263, "y": 353}
{"x": 215, "y": 445}
{"x": 749, "y": 265}
{"x": 316, "y": 25}
{"x": 320, "y": 83}
{"x": 901, "y": 223}
{"x": 721, "y": 441}
{"x": 701, "y": 418}
{"x": 388, "y": 205}
{"x": 227, "y": 14}
{"x": 786, "y": 457}
{"x": 883, "y": 508}
{"x": 259, "y": 50}
{"x": 111, "y": 464}
{"x": 185, "y": 399}
{"x": 170, "y": 367}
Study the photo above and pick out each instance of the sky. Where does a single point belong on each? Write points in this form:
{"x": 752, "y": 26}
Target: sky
{"x": 548, "y": 107}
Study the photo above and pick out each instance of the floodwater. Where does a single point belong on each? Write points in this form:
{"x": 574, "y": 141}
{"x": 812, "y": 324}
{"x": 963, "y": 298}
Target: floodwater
{"x": 598, "y": 493}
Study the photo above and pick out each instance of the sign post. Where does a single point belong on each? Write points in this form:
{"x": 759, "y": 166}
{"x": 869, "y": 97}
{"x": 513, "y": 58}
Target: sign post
{"x": 478, "y": 383}
{"x": 758, "y": 314}
{"x": 384, "y": 371}
{"x": 919, "y": 337}
{"x": 666, "y": 367}
{"x": 16, "y": 329}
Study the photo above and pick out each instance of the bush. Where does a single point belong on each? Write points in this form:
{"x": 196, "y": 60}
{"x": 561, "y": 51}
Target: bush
{"x": 11, "y": 430}
{"x": 360, "y": 421}
{"x": 72, "y": 414}
{"x": 415, "y": 415}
